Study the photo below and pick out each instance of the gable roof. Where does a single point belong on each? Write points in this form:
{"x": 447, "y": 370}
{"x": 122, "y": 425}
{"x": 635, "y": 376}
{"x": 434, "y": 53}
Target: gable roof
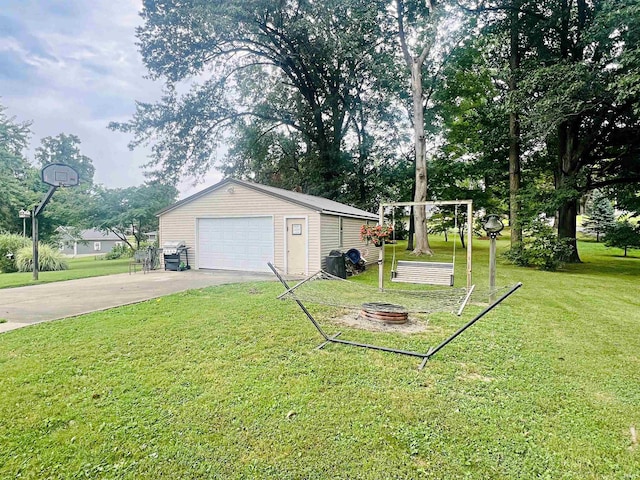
{"x": 319, "y": 204}
{"x": 89, "y": 235}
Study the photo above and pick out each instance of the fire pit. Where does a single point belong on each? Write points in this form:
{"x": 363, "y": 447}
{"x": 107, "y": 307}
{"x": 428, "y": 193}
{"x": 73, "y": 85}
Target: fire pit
{"x": 384, "y": 312}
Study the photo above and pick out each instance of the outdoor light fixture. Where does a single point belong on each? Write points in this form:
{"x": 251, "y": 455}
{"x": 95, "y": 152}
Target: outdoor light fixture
{"x": 493, "y": 225}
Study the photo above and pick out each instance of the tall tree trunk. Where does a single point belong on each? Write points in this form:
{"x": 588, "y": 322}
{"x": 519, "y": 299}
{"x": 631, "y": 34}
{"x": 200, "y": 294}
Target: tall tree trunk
{"x": 422, "y": 241}
{"x": 415, "y": 64}
{"x": 567, "y": 226}
{"x": 514, "y": 133}
{"x": 565, "y": 183}
{"x": 412, "y": 222}
{"x": 568, "y": 156}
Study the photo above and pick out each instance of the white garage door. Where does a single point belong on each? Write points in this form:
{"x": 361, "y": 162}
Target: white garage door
{"x": 239, "y": 243}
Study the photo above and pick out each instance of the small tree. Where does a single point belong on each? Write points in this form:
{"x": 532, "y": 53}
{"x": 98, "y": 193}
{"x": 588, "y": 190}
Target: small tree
{"x": 600, "y": 216}
{"x": 441, "y": 222}
{"x": 623, "y": 235}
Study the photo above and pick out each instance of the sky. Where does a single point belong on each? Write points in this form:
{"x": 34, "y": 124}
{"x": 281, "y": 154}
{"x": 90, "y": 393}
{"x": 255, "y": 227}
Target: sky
{"x": 72, "y": 66}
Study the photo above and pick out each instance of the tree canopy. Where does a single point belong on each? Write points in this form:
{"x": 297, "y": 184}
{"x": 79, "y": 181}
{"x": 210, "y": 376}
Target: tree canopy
{"x": 299, "y": 77}
{"x": 623, "y": 235}
{"x": 65, "y": 149}
{"x": 131, "y": 212}
{"x": 18, "y": 178}
{"x": 87, "y": 206}
{"x": 527, "y": 108}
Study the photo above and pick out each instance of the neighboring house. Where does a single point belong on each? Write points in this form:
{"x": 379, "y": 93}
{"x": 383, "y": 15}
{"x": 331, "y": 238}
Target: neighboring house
{"x": 87, "y": 242}
{"x": 151, "y": 236}
{"x": 239, "y": 225}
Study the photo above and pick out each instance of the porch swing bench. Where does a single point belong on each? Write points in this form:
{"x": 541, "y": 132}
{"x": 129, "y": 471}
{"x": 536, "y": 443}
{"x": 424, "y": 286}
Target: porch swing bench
{"x": 429, "y": 273}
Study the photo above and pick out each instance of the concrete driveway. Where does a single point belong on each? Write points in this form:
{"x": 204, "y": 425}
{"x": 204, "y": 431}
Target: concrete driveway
{"x": 24, "y": 306}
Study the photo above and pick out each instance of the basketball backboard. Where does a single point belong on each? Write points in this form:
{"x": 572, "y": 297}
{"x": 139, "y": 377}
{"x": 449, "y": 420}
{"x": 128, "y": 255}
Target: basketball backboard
{"x": 60, "y": 175}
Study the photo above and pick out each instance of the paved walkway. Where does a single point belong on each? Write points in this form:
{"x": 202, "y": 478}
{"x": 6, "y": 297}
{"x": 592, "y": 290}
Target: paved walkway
{"x": 24, "y": 306}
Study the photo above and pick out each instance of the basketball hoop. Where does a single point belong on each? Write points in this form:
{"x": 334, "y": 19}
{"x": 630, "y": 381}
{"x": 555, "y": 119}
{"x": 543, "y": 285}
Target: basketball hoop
{"x": 59, "y": 175}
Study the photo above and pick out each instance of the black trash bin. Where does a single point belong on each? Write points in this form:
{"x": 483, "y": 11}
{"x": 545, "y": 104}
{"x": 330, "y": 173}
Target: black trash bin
{"x": 336, "y": 266}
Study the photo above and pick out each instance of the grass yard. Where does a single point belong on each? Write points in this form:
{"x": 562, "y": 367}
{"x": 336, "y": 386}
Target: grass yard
{"x": 225, "y": 383}
{"x": 82, "y": 267}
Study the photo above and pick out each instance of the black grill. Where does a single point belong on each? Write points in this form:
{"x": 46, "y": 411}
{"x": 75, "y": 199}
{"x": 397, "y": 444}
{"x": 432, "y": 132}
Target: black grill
{"x": 175, "y": 254}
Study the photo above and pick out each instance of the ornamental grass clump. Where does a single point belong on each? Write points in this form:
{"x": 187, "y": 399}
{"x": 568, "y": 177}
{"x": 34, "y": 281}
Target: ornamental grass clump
{"x": 10, "y": 243}
{"x": 49, "y": 259}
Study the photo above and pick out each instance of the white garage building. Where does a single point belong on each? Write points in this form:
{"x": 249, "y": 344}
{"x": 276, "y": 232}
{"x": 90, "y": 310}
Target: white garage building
{"x": 239, "y": 225}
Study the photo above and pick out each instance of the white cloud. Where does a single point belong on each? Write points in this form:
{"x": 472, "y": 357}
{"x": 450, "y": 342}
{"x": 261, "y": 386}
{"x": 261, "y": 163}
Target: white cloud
{"x": 75, "y": 67}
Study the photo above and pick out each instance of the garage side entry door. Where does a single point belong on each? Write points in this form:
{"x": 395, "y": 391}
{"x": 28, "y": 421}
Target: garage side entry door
{"x": 237, "y": 243}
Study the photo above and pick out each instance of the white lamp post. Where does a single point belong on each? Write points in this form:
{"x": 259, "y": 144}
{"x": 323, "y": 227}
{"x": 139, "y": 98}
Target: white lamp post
{"x": 492, "y": 225}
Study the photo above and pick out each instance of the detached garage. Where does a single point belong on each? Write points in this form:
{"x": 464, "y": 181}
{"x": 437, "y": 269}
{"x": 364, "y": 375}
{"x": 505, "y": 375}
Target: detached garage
{"x": 239, "y": 225}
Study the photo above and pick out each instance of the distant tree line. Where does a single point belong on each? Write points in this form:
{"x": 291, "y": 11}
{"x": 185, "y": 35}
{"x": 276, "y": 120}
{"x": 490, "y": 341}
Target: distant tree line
{"x": 127, "y": 212}
{"x": 523, "y": 106}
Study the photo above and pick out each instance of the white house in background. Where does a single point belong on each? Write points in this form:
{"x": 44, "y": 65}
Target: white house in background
{"x": 151, "y": 236}
{"x": 239, "y": 225}
{"x": 87, "y": 242}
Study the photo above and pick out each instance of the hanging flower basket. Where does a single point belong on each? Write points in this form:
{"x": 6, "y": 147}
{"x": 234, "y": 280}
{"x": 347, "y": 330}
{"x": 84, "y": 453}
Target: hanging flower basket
{"x": 375, "y": 234}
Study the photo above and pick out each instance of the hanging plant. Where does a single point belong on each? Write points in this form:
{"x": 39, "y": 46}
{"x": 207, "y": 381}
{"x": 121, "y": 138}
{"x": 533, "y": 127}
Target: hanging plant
{"x": 375, "y": 234}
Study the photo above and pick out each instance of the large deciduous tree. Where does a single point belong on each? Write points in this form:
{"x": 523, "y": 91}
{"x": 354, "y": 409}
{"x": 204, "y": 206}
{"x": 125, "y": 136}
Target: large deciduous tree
{"x": 131, "y": 211}
{"x": 292, "y": 73}
{"x": 567, "y": 83}
{"x": 575, "y": 101}
{"x": 417, "y": 32}
{"x": 65, "y": 149}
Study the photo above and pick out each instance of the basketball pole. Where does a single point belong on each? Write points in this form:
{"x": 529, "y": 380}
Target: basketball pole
{"x": 34, "y": 227}
{"x": 55, "y": 175}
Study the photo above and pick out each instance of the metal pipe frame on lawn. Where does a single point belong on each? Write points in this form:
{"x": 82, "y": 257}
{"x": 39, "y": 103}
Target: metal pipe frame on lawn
{"x": 425, "y": 356}
{"x": 468, "y": 203}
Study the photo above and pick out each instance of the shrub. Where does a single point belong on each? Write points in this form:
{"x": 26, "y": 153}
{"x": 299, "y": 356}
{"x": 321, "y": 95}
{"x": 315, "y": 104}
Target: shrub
{"x": 623, "y": 235}
{"x": 9, "y": 245}
{"x": 49, "y": 259}
{"x": 119, "y": 251}
{"x": 540, "y": 248}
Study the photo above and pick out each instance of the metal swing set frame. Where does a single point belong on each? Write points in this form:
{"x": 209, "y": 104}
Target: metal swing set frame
{"x": 424, "y": 356}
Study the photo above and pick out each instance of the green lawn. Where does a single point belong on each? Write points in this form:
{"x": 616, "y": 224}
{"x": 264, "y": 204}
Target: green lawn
{"x": 225, "y": 383}
{"x": 78, "y": 268}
